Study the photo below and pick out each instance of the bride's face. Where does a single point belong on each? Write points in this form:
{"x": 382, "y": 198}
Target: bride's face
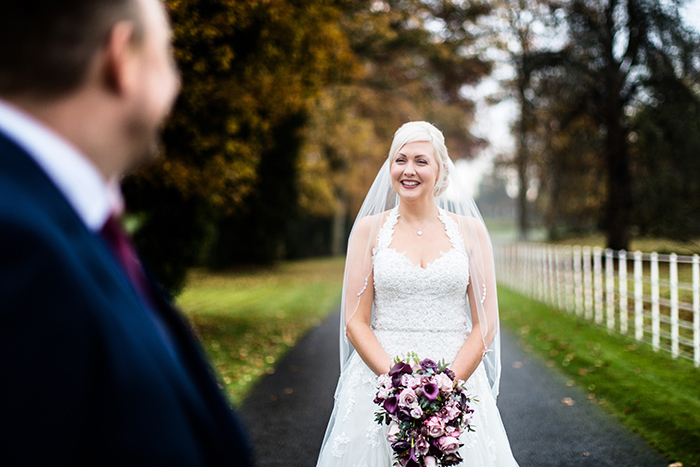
{"x": 414, "y": 170}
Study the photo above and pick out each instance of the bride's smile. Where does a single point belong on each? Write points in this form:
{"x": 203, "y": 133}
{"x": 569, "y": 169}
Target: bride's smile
{"x": 414, "y": 170}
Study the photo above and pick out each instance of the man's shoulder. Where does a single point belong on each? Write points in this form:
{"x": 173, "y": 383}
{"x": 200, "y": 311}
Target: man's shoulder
{"x": 27, "y": 197}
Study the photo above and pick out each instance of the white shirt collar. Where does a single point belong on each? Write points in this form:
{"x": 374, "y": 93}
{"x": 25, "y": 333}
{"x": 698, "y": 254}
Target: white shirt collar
{"x": 74, "y": 174}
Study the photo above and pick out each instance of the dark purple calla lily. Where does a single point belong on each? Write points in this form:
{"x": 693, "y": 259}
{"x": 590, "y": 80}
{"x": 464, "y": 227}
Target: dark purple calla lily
{"x": 412, "y": 460}
{"x": 451, "y": 459}
{"x": 399, "y": 368}
{"x": 431, "y": 391}
{"x": 391, "y": 404}
{"x": 401, "y": 446}
{"x": 405, "y": 415}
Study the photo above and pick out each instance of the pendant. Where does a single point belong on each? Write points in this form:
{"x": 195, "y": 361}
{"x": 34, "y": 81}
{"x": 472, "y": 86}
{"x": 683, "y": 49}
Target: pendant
{"x": 420, "y": 232}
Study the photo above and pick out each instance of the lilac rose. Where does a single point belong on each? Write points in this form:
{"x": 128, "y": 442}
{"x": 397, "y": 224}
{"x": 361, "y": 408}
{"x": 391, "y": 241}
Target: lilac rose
{"x": 416, "y": 412}
{"x": 408, "y": 398}
{"x": 422, "y": 446}
{"x": 435, "y": 426}
{"x": 444, "y": 383}
{"x": 448, "y": 444}
{"x": 430, "y": 461}
{"x": 393, "y": 432}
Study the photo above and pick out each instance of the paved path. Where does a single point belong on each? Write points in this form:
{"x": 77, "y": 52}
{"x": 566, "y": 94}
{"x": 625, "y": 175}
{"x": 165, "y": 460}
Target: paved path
{"x": 287, "y": 412}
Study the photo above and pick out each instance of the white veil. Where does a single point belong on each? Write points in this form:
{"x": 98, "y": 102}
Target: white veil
{"x": 452, "y": 195}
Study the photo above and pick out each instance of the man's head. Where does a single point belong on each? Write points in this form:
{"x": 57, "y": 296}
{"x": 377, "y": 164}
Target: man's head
{"x": 100, "y": 72}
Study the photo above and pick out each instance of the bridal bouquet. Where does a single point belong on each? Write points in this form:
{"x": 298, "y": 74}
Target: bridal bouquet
{"x": 426, "y": 412}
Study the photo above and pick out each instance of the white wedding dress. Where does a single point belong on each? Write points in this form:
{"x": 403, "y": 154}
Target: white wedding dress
{"x": 419, "y": 310}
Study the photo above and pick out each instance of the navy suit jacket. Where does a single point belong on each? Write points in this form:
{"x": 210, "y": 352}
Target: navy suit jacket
{"x": 85, "y": 378}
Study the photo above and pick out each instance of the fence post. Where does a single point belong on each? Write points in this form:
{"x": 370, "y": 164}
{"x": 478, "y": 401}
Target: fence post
{"x": 696, "y": 310}
{"x": 560, "y": 283}
{"x": 655, "y": 312}
{"x": 622, "y": 267}
{"x": 528, "y": 281}
{"x": 542, "y": 263}
{"x": 587, "y": 284}
{"x": 598, "y": 278}
{"x": 551, "y": 266}
{"x": 638, "y": 297}
{"x": 673, "y": 276}
{"x": 569, "y": 279}
{"x": 610, "y": 289}
{"x": 577, "y": 280}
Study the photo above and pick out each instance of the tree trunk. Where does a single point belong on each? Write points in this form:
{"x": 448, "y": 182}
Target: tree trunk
{"x": 619, "y": 184}
{"x": 521, "y": 163}
{"x": 338, "y": 232}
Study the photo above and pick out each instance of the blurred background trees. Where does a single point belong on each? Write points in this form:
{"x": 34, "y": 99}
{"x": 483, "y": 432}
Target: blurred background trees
{"x": 288, "y": 109}
{"x": 603, "y": 162}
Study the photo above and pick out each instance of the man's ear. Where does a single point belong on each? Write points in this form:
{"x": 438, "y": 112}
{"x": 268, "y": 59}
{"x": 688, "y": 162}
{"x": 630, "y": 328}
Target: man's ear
{"x": 119, "y": 63}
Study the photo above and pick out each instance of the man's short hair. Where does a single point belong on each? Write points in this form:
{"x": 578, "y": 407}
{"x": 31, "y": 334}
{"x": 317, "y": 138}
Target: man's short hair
{"x": 46, "y": 46}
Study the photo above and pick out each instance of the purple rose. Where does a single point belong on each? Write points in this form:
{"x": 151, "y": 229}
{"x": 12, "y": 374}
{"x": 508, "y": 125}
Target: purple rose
{"x": 399, "y": 368}
{"x": 427, "y": 364}
{"x": 391, "y": 404}
{"x": 431, "y": 391}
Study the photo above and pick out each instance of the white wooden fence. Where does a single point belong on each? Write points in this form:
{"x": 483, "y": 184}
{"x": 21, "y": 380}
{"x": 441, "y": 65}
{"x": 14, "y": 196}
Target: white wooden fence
{"x": 654, "y": 297}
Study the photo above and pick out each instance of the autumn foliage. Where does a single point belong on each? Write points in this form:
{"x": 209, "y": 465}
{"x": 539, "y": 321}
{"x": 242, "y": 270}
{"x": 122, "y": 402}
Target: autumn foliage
{"x": 286, "y": 108}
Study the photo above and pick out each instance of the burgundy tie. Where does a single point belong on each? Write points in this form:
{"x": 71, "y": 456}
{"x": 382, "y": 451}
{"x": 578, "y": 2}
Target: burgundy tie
{"x": 119, "y": 243}
{"x": 124, "y": 252}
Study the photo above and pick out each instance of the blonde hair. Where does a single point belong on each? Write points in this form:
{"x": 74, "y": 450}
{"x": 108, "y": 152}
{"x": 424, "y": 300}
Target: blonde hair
{"x": 412, "y": 132}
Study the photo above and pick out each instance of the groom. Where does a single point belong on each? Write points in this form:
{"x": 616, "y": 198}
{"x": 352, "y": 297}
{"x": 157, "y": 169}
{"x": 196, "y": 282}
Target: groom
{"x": 96, "y": 368}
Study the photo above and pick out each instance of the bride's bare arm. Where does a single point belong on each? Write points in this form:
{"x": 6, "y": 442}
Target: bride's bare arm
{"x": 482, "y": 334}
{"x": 364, "y": 340}
{"x": 472, "y": 351}
{"x": 359, "y": 296}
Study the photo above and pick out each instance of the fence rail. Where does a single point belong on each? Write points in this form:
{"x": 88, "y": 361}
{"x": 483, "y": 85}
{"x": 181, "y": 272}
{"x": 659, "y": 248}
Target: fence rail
{"x": 653, "y": 297}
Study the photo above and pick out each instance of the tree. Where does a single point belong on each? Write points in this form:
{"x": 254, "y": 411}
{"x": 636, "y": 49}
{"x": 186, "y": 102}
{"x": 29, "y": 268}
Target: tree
{"x": 619, "y": 53}
{"x": 665, "y": 143}
{"x": 416, "y": 57}
{"x": 249, "y": 70}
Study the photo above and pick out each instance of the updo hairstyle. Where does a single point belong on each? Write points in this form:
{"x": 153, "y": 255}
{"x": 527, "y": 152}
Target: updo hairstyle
{"x": 412, "y": 132}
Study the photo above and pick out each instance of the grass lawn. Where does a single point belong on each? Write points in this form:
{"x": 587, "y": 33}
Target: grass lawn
{"x": 649, "y": 392}
{"x": 248, "y": 320}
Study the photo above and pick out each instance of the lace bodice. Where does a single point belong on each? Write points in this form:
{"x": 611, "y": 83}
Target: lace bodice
{"x": 418, "y": 309}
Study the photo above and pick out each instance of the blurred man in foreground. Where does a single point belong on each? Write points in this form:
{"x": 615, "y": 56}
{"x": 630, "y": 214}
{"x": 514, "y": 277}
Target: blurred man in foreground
{"x": 96, "y": 368}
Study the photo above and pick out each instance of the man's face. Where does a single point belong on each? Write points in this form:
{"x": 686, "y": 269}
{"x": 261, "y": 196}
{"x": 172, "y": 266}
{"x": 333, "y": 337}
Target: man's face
{"x": 157, "y": 86}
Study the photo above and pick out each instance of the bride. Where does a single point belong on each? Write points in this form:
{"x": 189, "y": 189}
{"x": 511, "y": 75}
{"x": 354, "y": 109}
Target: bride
{"x": 419, "y": 278}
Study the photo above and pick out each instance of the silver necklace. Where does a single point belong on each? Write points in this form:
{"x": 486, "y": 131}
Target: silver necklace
{"x": 420, "y": 231}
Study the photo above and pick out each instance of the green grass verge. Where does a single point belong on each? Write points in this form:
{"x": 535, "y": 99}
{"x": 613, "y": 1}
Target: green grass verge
{"x": 649, "y": 392}
{"x": 247, "y": 320}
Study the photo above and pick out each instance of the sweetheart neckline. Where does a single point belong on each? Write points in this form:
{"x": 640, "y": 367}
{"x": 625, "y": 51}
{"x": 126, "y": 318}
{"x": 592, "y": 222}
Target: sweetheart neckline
{"x": 418, "y": 266}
